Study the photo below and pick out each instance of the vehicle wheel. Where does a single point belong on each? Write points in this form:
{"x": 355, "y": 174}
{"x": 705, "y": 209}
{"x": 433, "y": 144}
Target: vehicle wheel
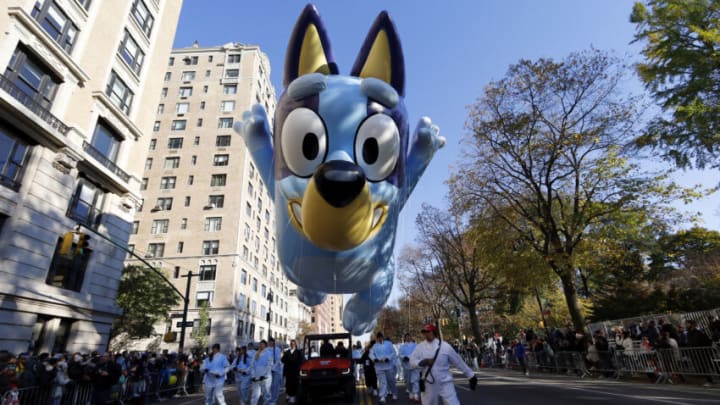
{"x": 349, "y": 393}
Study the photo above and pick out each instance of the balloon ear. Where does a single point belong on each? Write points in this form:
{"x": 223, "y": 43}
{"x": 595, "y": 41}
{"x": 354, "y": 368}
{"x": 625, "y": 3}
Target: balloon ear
{"x": 381, "y": 55}
{"x": 308, "y": 50}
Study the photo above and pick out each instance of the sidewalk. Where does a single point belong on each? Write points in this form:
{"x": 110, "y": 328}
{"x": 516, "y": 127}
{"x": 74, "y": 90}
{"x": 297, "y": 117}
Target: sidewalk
{"x": 693, "y": 383}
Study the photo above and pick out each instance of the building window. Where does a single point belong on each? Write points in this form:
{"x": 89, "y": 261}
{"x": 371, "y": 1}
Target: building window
{"x": 235, "y": 58}
{"x": 167, "y": 183}
{"x": 247, "y": 232}
{"x": 199, "y": 122}
{"x": 207, "y": 73}
{"x": 207, "y": 272}
{"x": 119, "y": 93}
{"x": 106, "y": 141}
{"x": 213, "y": 224}
{"x": 183, "y": 223}
{"x": 225, "y": 122}
{"x": 217, "y": 201}
{"x": 13, "y": 158}
{"x": 175, "y": 143}
{"x": 178, "y": 125}
{"x": 56, "y": 23}
{"x": 193, "y": 160}
{"x": 172, "y": 162}
{"x": 210, "y": 58}
{"x": 161, "y": 108}
{"x": 85, "y": 204}
{"x": 243, "y": 277}
{"x": 131, "y": 53}
{"x": 153, "y": 144}
{"x": 227, "y": 106}
{"x": 68, "y": 273}
{"x": 163, "y": 92}
{"x": 182, "y": 108}
{"x": 263, "y": 290}
{"x": 168, "y": 76}
{"x": 160, "y": 226}
{"x": 187, "y": 201}
{"x": 148, "y": 163}
{"x": 186, "y": 91}
{"x": 196, "y": 141}
{"x": 85, "y": 3}
{"x": 180, "y": 247}
{"x": 218, "y": 180}
{"x": 210, "y": 247}
{"x": 155, "y": 250}
{"x": 144, "y": 183}
{"x": 190, "y": 61}
{"x": 221, "y": 160}
{"x": 171, "y": 61}
{"x": 32, "y": 77}
{"x": 164, "y": 204}
{"x": 135, "y": 227}
{"x": 205, "y": 89}
{"x": 230, "y": 89}
{"x": 232, "y": 73}
{"x": 203, "y": 298}
{"x": 188, "y": 75}
{"x": 156, "y": 126}
{"x": 202, "y": 105}
{"x": 142, "y": 16}
{"x": 222, "y": 141}
{"x": 190, "y": 180}
{"x": 248, "y": 209}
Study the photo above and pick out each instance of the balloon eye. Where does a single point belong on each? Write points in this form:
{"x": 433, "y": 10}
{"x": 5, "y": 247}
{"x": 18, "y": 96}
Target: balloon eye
{"x": 377, "y": 146}
{"x": 310, "y": 146}
{"x": 370, "y": 150}
{"x": 303, "y": 141}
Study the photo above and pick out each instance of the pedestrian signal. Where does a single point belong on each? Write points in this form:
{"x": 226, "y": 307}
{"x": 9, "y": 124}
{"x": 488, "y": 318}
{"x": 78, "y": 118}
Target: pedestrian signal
{"x": 83, "y": 244}
{"x": 67, "y": 244}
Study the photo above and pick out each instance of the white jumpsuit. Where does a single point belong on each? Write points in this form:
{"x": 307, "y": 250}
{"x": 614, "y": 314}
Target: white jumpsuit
{"x": 439, "y": 384}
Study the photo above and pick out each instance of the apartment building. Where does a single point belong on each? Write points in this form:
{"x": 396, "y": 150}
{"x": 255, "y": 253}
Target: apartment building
{"x": 206, "y": 210}
{"x": 76, "y": 78}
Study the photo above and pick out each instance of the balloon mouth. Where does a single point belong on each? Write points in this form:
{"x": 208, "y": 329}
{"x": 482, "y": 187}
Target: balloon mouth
{"x": 336, "y": 228}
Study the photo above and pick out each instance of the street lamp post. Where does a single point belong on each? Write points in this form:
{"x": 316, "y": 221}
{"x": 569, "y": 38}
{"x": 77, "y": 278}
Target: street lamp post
{"x": 189, "y": 276}
{"x": 269, "y": 314}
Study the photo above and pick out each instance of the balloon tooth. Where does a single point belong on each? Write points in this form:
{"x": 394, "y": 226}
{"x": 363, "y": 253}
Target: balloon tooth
{"x": 297, "y": 211}
{"x": 377, "y": 214}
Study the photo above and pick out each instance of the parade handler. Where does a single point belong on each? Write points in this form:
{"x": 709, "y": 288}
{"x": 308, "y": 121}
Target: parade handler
{"x": 435, "y": 357}
{"x": 215, "y": 367}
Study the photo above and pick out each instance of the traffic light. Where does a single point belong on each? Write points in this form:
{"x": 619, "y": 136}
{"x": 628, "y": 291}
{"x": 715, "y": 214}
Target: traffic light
{"x": 82, "y": 244}
{"x": 67, "y": 244}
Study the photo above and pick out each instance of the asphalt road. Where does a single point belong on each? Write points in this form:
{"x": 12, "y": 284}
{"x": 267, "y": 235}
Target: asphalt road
{"x": 502, "y": 387}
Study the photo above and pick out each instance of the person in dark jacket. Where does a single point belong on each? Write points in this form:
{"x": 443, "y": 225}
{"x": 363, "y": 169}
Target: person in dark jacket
{"x": 292, "y": 359}
{"x": 698, "y": 338}
{"x": 369, "y": 370}
{"x": 106, "y": 375}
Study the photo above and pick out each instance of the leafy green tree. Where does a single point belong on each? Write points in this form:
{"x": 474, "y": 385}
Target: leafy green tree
{"x": 545, "y": 154}
{"x": 145, "y": 298}
{"x": 201, "y": 333}
{"x": 682, "y": 72}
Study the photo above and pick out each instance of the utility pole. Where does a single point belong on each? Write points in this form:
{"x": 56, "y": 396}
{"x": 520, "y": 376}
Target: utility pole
{"x": 186, "y": 298}
{"x": 269, "y": 315}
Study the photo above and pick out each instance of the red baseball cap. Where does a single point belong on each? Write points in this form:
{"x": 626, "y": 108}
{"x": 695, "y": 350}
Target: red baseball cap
{"x": 428, "y": 328}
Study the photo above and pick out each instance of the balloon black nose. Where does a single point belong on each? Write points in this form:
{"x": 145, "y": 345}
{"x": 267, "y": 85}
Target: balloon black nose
{"x": 339, "y": 182}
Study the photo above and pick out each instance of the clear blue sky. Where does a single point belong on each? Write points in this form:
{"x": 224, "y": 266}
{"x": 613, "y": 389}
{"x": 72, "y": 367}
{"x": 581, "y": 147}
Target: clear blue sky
{"x": 452, "y": 50}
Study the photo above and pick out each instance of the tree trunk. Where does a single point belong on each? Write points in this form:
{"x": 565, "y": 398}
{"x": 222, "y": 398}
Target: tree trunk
{"x": 474, "y": 325}
{"x": 567, "y": 278}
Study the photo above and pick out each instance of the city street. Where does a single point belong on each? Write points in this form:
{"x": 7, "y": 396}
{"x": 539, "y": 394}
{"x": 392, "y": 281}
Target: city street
{"x": 501, "y": 387}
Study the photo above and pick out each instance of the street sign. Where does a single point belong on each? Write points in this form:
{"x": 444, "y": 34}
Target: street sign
{"x": 188, "y": 324}
{"x": 176, "y": 315}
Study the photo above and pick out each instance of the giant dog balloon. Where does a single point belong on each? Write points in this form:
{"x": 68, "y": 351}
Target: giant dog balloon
{"x": 340, "y": 167}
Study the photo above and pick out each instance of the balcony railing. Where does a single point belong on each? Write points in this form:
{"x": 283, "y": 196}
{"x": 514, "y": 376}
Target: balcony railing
{"x": 9, "y": 183}
{"x": 37, "y": 108}
{"x": 103, "y": 160}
